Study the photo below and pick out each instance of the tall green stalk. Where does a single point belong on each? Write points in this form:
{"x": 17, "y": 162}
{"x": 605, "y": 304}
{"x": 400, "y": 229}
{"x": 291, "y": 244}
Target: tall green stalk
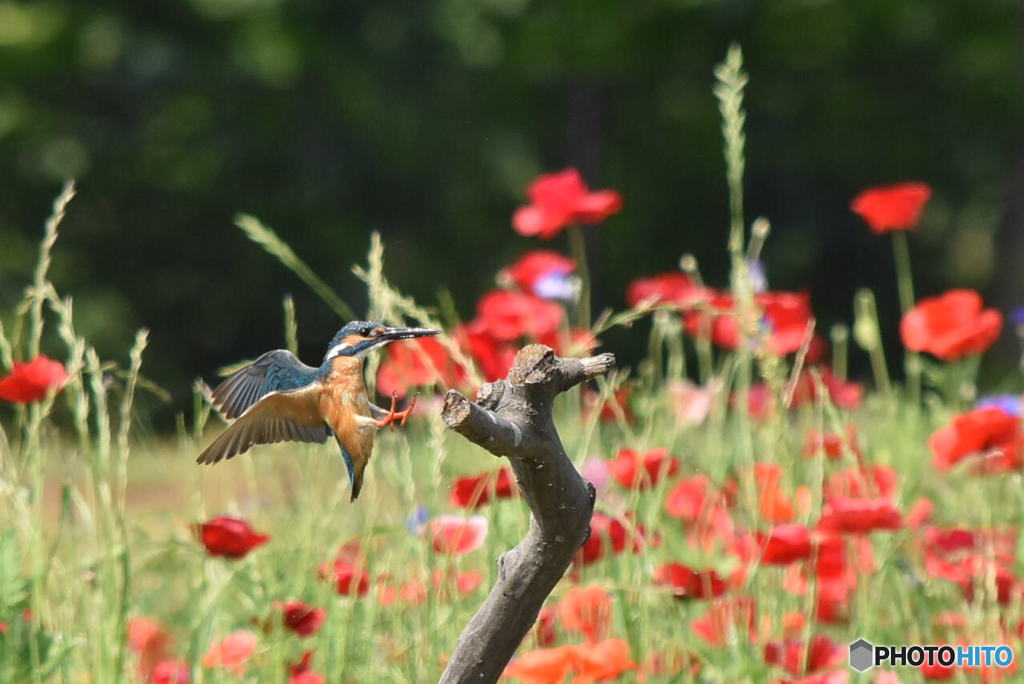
{"x": 578, "y": 249}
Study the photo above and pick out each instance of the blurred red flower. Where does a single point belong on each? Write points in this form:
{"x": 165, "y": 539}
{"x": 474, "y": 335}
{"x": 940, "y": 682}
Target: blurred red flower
{"x": 542, "y": 666}
{"x": 892, "y": 207}
{"x": 476, "y": 490}
{"x": 417, "y": 362}
{"x": 231, "y": 653}
{"x": 493, "y": 356}
{"x": 785, "y": 544}
{"x": 607, "y": 536}
{"x": 642, "y": 471}
{"x": 784, "y": 320}
{"x": 303, "y": 619}
{"x": 229, "y": 537}
{"x": 859, "y": 516}
{"x": 601, "y": 661}
{"x": 862, "y": 482}
{"x": 508, "y": 316}
{"x": 690, "y": 497}
{"x": 301, "y": 672}
{"x": 456, "y": 535}
{"x": 951, "y": 326}
{"x": 150, "y": 641}
{"x": 821, "y": 652}
{"x": 618, "y": 403}
{"x": 28, "y": 382}
{"x": 727, "y": 619}
{"x": 530, "y": 271}
{"x": 545, "y": 627}
{"x": 170, "y": 672}
{"x": 687, "y": 583}
{"x": 672, "y": 287}
{"x": 559, "y": 199}
{"x": 832, "y": 444}
{"x": 587, "y": 610}
{"x": 346, "y": 571}
{"x": 985, "y": 432}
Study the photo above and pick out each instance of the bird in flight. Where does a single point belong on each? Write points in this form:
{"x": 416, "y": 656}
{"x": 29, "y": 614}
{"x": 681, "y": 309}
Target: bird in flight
{"x": 277, "y": 398}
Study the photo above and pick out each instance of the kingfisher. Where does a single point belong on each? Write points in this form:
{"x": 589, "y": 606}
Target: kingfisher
{"x": 277, "y": 398}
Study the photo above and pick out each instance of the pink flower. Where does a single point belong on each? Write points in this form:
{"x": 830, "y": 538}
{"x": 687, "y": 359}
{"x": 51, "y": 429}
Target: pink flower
{"x": 559, "y": 199}
{"x": 232, "y": 653}
{"x": 456, "y": 535}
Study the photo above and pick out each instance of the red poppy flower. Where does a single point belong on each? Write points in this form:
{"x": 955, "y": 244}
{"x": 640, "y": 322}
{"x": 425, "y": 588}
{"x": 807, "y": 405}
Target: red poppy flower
{"x": 689, "y": 498}
{"x": 862, "y": 482}
{"x": 687, "y": 583}
{"x": 822, "y": 652}
{"x": 476, "y": 490}
{"x": 306, "y": 678}
{"x": 542, "y": 666}
{"x": 170, "y": 672}
{"x": 601, "y": 661}
{"x": 545, "y": 627}
{"x": 665, "y": 288}
{"x": 453, "y": 534}
{"x": 617, "y": 405}
{"x": 633, "y": 470}
{"x": 727, "y": 620}
{"x": 937, "y": 672}
{"x": 785, "y": 544}
{"x": 533, "y": 272}
{"x": 509, "y": 316}
{"x": 832, "y": 444}
{"x": 229, "y": 537}
{"x": 859, "y": 516}
{"x": 982, "y": 432}
{"x": 149, "y": 639}
{"x": 28, "y": 382}
{"x": 951, "y": 326}
{"x": 784, "y": 320}
{"x": 232, "y": 653}
{"x": 347, "y": 572}
{"x": 892, "y": 207}
{"x": 606, "y": 533}
{"x": 587, "y": 610}
{"x": 417, "y": 362}
{"x": 300, "y": 618}
{"x": 494, "y": 357}
{"x": 559, "y": 199}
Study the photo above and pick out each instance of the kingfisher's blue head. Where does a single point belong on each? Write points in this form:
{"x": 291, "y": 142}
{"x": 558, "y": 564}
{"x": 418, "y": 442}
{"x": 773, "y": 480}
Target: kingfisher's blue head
{"x": 359, "y": 338}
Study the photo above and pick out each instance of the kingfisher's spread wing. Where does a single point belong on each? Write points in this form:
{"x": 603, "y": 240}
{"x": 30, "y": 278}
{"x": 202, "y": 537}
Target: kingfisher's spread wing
{"x": 275, "y": 371}
{"x": 290, "y": 416}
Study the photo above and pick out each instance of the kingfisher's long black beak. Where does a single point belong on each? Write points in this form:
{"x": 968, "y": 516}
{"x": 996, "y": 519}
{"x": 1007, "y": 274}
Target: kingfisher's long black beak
{"x": 390, "y": 334}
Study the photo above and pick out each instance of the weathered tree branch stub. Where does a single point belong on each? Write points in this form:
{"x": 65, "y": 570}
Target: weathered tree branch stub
{"x": 512, "y": 418}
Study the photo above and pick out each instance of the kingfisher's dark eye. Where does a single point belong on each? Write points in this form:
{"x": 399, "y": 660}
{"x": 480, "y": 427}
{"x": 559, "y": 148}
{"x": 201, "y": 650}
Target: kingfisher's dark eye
{"x": 370, "y": 331}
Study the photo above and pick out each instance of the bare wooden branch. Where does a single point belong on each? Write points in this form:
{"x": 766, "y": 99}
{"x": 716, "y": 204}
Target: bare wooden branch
{"x": 512, "y": 418}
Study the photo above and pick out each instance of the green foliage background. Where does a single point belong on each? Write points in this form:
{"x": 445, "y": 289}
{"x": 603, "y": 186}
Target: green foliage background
{"x": 426, "y": 120}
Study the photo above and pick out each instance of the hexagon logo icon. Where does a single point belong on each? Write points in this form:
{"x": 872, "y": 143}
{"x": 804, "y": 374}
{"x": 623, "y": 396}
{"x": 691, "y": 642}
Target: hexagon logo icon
{"x": 862, "y": 655}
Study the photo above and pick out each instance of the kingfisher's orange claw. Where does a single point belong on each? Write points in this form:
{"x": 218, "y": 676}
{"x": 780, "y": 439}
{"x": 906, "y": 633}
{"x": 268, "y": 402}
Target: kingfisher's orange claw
{"x": 404, "y": 415}
{"x": 389, "y": 419}
{"x": 397, "y": 416}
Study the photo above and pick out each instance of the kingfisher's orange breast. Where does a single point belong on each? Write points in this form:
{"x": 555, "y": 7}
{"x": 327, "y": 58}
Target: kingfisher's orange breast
{"x": 343, "y": 401}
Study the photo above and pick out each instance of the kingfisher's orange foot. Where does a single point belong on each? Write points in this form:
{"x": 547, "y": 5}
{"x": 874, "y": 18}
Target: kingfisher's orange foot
{"x": 396, "y": 416}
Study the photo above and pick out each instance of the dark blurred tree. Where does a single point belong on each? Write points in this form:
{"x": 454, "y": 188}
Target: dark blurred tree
{"x": 426, "y": 120}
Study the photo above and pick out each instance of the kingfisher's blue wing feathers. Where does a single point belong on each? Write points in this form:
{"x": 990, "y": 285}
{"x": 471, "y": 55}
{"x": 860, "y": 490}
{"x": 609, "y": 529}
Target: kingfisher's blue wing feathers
{"x": 275, "y": 371}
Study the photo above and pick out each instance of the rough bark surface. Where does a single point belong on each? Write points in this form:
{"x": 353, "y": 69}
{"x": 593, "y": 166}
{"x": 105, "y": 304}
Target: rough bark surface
{"x": 512, "y": 418}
